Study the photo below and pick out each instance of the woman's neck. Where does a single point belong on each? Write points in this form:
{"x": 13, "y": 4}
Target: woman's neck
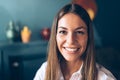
{"x": 68, "y": 68}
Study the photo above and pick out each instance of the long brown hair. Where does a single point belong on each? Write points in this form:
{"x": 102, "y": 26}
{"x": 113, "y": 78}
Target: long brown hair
{"x": 89, "y": 71}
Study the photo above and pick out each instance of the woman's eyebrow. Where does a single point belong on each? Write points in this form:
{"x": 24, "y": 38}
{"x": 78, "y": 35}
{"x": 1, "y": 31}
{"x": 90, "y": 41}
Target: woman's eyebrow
{"x": 62, "y": 27}
{"x": 81, "y": 27}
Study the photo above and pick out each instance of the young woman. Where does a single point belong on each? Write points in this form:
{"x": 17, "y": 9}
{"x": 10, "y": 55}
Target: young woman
{"x": 71, "y": 53}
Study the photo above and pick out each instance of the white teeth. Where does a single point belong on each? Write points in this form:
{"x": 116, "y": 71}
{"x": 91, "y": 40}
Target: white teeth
{"x": 71, "y": 49}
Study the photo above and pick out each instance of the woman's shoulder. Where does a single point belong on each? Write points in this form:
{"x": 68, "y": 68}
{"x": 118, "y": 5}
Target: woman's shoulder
{"x": 43, "y": 67}
{"x": 40, "y": 74}
{"x": 104, "y": 74}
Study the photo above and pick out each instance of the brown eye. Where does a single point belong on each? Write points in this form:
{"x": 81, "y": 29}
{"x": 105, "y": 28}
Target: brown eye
{"x": 80, "y": 32}
{"x": 62, "y": 32}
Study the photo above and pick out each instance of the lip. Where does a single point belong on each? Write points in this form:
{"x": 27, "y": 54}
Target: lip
{"x": 71, "y": 49}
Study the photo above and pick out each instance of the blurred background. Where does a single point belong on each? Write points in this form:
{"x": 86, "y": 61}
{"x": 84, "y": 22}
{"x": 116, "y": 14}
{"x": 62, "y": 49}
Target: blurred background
{"x": 25, "y": 29}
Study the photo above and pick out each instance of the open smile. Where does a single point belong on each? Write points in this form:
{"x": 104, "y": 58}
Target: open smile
{"x": 71, "y": 49}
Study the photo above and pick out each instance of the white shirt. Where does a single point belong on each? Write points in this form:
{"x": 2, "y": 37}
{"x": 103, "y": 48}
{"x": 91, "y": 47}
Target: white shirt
{"x": 103, "y": 74}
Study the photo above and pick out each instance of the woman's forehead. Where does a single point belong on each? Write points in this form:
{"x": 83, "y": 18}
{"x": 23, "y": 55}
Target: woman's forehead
{"x": 71, "y": 20}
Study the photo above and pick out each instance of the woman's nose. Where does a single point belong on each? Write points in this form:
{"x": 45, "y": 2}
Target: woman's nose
{"x": 71, "y": 38}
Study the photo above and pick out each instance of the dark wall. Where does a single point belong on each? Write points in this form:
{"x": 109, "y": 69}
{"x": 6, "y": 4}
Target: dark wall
{"x": 107, "y": 22}
{"x": 36, "y": 14}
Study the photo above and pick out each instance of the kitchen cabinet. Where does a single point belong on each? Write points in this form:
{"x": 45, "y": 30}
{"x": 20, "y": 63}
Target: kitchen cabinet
{"x": 0, "y": 65}
{"x": 20, "y": 61}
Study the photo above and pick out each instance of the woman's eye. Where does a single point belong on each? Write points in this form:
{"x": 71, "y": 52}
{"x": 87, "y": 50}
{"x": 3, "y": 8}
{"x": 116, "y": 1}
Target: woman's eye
{"x": 80, "y": 32}
{"x": 62, "y": 32}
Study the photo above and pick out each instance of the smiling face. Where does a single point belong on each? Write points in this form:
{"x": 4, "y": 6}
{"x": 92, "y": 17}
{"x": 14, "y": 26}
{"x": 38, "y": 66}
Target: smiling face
{"x": 71, "y": 37}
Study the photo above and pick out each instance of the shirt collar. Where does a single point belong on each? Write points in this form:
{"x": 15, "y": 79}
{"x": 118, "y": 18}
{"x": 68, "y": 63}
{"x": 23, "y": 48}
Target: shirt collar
{"x": 77, "y": 72}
